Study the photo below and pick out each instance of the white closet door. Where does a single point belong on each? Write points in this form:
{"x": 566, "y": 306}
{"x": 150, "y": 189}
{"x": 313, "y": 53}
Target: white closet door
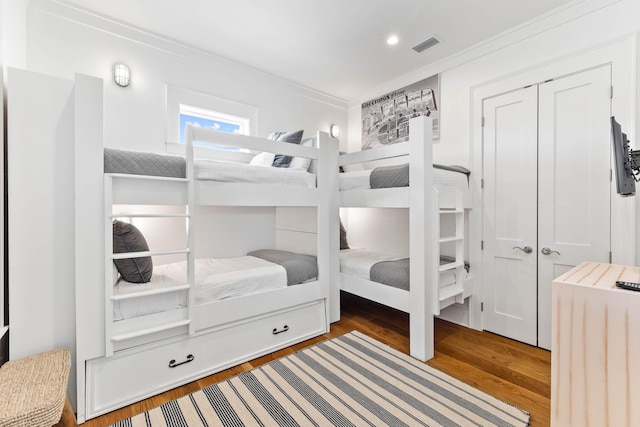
{"x": 573, "y": 180}
{"x": 510, "y": 170}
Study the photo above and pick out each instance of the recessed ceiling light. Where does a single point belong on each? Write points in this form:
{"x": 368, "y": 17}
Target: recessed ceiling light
{"x": 392, "y": 40}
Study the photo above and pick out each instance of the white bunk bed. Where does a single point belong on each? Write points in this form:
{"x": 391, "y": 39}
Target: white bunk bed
{"x": 121, "y": 361}
{"x": 428, "y": 202}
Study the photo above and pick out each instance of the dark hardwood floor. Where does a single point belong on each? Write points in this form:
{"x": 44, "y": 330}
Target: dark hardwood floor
{"x": 516, "y": 373}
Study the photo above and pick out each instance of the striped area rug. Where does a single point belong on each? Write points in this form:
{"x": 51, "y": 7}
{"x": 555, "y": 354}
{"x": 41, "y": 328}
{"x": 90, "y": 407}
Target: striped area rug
{"x": 352, "y": 380}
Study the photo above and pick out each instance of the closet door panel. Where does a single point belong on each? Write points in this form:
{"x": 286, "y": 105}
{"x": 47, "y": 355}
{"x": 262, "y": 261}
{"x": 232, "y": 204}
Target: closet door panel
{"x": 574, "y": 184}
{"x": 510, "y": 215}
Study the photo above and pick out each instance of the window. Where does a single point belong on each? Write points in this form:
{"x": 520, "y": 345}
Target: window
{"x": 212, "y": 120}
{"x": 188, "y": 106}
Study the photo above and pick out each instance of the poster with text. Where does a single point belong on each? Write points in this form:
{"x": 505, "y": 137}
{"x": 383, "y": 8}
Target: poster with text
{"x": 385, "y": 120}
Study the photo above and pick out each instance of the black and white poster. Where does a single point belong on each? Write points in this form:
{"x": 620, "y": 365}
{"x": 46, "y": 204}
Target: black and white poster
{"x": 385, "y": 120}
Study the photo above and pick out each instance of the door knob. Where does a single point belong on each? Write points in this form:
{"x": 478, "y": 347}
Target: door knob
{"x": 526, "y": 249}
{"x": 547, "y": 251}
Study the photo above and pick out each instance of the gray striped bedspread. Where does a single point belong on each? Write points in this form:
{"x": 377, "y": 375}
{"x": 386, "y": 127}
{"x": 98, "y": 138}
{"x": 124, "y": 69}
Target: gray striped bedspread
{"x": 396, "y": 273}
{"x": 398, "y": 175}
{"x": 300, "y": 268}
{"x": 139, "y": 163}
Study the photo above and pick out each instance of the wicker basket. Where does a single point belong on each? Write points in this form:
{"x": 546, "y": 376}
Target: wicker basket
{"x": 33, "y": 389}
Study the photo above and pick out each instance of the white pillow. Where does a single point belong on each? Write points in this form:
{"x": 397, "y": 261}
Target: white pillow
{"x": 302, "y": 162}
{"x": 262, "y": 159}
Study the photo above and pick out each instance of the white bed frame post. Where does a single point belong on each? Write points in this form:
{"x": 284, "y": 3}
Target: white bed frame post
{"x": 423, "y": 243}
{"x": 328, "y": 215}
{"x": 191, "y": 238}
{"x": 108, "y": 263}
{"x": 89, "y": 227}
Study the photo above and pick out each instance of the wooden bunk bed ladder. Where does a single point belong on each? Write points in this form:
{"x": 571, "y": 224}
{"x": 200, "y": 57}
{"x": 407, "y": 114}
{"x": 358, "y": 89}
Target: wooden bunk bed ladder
{"x": 453, "y": 293}
{"x": 117, "y": 332}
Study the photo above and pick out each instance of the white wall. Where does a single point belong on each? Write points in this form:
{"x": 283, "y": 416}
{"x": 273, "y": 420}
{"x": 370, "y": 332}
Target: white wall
{"x": 41, "y": 214}
{"x": 577, "y": 29}
{"x": 12, "y": 53}
{"x": 366, "y": 225}
{"x": 62, "y": 41}
{"x": 586, "y": 26}
{"x": 13, "y": 33}
{"x": 135, "y": 116}
{"x": 3, "y": 327}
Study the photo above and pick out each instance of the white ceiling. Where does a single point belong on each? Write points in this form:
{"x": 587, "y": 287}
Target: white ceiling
{"x": 335, "y": 46}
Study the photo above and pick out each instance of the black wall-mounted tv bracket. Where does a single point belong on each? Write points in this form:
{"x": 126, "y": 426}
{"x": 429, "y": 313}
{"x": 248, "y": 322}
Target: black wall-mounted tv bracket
{"x": 634, "y": 163}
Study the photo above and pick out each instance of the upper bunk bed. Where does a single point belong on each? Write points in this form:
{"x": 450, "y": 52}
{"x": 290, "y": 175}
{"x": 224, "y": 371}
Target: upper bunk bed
{"x": 151, "y": 178}
{"x": 434, "y": 281}
{"x": 389, "y": 186}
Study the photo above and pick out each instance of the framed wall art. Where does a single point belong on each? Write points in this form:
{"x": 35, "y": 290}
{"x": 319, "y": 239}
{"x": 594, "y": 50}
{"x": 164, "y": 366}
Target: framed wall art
{"x": 385, "y": 120}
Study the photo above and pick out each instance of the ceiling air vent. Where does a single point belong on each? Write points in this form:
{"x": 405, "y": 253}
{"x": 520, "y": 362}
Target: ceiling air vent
{"x": 430, "y": 42}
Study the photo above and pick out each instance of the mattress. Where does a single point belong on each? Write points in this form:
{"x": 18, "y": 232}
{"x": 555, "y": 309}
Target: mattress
{"x": 152, "y": 164}
{"x": 443, "y": 176}
{"x": 216, "y": 279}
{"x": 212, "y": 170}
{"x": 139, "y": 163}
{"x": 385, "y": 268}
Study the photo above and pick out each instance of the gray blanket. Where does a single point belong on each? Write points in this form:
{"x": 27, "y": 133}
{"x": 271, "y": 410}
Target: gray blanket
{"x": 398, "y": 176}
{"x": 138, "y": 163}
{"x": 396, "y": 273}
{"x": 389, "y": 176}
{"x": 391, "y": 273}
{"x": 300, "y": 268}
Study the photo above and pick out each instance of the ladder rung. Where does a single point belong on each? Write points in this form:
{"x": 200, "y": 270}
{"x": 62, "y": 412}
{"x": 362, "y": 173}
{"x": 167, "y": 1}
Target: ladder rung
{"x": 126, "y": 255}
{"x": 147, "y": 177}
{"x": 451, "y": 239}
{"x": 450, "y": 291}
{"x": 149, "y": 331}
{"x": 150, "y": 292}
{"x": 451, "y": 266}
{"x": 128, "y": 215}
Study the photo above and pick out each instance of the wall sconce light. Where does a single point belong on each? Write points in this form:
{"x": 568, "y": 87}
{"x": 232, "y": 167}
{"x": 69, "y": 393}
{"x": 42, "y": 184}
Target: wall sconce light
{"x": 334, "y": 131}
{"x": 121, "y": 75}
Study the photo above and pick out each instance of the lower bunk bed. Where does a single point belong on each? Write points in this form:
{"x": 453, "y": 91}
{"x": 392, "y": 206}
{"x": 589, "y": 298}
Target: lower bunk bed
{"x": 385, "y": 278}
{"x": 436, "y": 199}
{"x": 280, "y": 289}
{"x": 216, "y": 279}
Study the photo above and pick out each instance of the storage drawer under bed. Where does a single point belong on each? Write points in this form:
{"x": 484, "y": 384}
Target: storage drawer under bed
{"x": 135, "y": 374}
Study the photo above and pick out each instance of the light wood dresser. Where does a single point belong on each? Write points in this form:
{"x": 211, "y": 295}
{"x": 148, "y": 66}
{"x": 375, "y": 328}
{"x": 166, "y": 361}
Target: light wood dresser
{"x": 595, "y": 354}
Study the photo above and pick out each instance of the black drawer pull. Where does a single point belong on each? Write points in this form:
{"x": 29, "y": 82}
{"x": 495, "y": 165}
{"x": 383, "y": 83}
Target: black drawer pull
{"x": 276, "y": 331}
{"x": 173, "y": 364}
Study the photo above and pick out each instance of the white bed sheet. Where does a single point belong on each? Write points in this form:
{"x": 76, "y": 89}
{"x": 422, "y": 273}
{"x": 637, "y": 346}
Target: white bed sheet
{"x": 216, "y": 279}
{"x": 441, "y": 178}
{"x": 214, "y": 170}
{"x": 358, "y": 261}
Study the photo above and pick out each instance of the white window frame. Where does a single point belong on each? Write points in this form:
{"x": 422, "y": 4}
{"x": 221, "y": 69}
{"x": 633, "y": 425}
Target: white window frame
{"x": 243, "y": 123}
{"x": 208, "y": 105}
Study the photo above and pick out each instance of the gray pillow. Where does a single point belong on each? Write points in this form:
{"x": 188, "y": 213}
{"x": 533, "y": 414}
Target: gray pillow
{"x": 127, "y": 238}
{"x": 280, "y": 160}
{"x": 343, "y": 237}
